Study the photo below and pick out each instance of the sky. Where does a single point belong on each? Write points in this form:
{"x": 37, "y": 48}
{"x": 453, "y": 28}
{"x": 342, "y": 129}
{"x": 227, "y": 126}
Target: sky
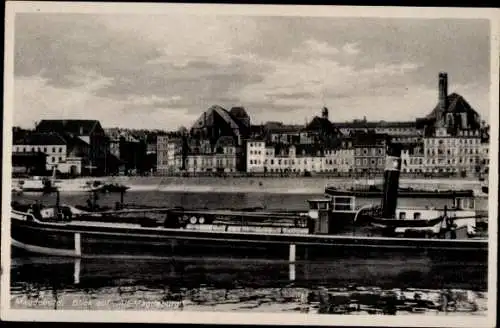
{"x": 162, "y": 71}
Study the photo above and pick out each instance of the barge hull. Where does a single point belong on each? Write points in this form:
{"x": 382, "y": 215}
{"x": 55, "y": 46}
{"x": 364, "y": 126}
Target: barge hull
{"x": 88, "y": 241}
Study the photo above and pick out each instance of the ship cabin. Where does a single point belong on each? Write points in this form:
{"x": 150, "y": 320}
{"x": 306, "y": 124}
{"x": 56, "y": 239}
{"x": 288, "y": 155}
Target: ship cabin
{"x": 462, "y": 206}
{"x": 462, "y": 213}
{"x": 331, "y": 213}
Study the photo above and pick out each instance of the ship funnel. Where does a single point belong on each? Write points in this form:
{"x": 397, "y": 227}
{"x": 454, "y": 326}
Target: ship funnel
{"x": 391, "y": 180}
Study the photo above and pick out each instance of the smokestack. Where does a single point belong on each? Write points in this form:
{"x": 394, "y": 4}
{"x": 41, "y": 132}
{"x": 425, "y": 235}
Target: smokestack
{"x": 443, "y": 90}
{"x": 391, "y": 180}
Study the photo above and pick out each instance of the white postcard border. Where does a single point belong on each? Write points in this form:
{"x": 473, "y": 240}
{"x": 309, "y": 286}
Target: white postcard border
{"x": 230, "y": 317}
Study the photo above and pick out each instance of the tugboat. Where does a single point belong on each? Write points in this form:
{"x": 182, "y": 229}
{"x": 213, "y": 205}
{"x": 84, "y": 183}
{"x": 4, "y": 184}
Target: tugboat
{"x": 317, "y": 234}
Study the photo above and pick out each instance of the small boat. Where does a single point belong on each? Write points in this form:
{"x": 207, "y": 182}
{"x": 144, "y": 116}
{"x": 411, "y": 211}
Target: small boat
{"x": 114, "y": 187}
{"x": 36, "y": 184}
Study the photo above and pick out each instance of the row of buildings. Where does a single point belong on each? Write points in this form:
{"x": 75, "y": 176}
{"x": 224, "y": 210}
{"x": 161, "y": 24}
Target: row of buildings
{"x": 82, "y": 147}
{"x": 450, "y": 140}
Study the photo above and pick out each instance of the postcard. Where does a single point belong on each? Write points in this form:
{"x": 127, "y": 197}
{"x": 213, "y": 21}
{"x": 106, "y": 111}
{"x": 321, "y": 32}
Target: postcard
{"x": 250, "y": 164}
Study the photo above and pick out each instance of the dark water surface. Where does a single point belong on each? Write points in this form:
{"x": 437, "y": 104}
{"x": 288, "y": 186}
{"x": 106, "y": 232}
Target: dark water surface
{"x": 340, "y": 286}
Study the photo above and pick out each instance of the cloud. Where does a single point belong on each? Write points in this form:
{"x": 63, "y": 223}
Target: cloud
{"x": 164, "y": 70}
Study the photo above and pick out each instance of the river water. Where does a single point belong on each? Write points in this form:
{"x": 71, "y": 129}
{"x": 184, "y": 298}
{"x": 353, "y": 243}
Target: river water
{"x": 347, "y": 285}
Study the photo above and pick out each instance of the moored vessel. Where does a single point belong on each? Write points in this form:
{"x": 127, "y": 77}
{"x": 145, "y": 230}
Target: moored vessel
{"x": 333, "y": 225}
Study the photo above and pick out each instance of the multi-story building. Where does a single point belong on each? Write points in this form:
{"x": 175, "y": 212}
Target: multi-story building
{"x": 224, "y": 157}
{"x": 300, "y": 158}
{"x": 95, "y": 154}
{"x": 452, "y": 136}
{"x": 412, "y": 158}
{"x": 484, "y": 150}
{"x": 256, "y": 155}
{"x": 294, "y": 158}
{"x": 340, "y": 159}
{"x": 369, "y": 152}
{"x": 392, "y": 128}
{"x": 169, "y": 154}
{"x": 55, "y": 149}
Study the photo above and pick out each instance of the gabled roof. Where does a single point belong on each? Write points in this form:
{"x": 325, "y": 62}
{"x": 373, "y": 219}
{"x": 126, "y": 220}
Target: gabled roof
{"x": 456, "y": 104}
{"x": 77, "y": 127}
{"x": 40, "y": 139}
{"x": 224, "y": 114}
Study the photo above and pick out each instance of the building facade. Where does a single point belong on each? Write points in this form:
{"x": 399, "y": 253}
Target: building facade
{"x": 256, "y": 155}
{"x": 412, "y": 159}
{"x": 452, "y": 135}
{"x": 55, "y": 150}
{"x": 369, "y": 152}
{"x": 96, "y": 154}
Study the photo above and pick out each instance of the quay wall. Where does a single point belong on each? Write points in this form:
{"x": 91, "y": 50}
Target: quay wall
{"x": 285, "y": 185}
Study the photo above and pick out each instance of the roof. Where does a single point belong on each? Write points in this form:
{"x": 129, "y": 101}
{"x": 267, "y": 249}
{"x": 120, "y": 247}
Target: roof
{"x": 358, "y": 124}
{"x": 41, "y": 139}
{"x": 225, "y": 141}
{"x": 456, "y": 104}
{"x": 278, "y": 127}
{"x": 233, "y": 123}
{"x": 369, "y": 138}
{"x": 239, "y": 112}
{"x": 321, "y": 123}
{"x": 78, "y": 127}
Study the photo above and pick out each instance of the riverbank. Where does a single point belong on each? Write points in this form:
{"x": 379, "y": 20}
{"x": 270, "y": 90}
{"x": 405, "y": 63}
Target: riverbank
{"x": 282, "y": 185}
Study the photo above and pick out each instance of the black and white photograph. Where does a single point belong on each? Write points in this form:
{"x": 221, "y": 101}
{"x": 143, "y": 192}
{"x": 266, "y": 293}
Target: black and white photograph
{"x": 250, "y": 164}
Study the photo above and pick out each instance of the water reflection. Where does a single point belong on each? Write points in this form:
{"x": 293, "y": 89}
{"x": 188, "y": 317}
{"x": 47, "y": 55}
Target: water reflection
{"x": 344, "y": 286}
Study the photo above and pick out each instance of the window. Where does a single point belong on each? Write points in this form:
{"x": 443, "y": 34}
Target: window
{"x": 358, "y": 162}
{"x": 53, "y": 149}
{"x": 417, "y": 215}
{"x": 365, "y": 162}
{"x": 60, "y": 159}
{"x": 402, "y": 215}
{"x": 53, "y": 159}
{"x": 272, "y": 162}
{"x": 44, "y": 149}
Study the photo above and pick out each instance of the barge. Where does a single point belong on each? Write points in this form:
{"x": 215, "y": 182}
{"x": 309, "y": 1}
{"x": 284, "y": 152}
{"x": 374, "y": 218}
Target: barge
{"x": 332, "y": 227}
{"x": 377, "y": 192}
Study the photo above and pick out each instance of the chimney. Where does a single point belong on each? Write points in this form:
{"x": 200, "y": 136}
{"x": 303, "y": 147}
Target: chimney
{"x": 443, "y": 91}
{"x": 391, "y": 180}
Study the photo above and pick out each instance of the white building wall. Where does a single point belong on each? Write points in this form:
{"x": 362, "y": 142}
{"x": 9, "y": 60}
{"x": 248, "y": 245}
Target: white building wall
{"x": 256, "y": 156}
{"x": 56, "y": 154}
